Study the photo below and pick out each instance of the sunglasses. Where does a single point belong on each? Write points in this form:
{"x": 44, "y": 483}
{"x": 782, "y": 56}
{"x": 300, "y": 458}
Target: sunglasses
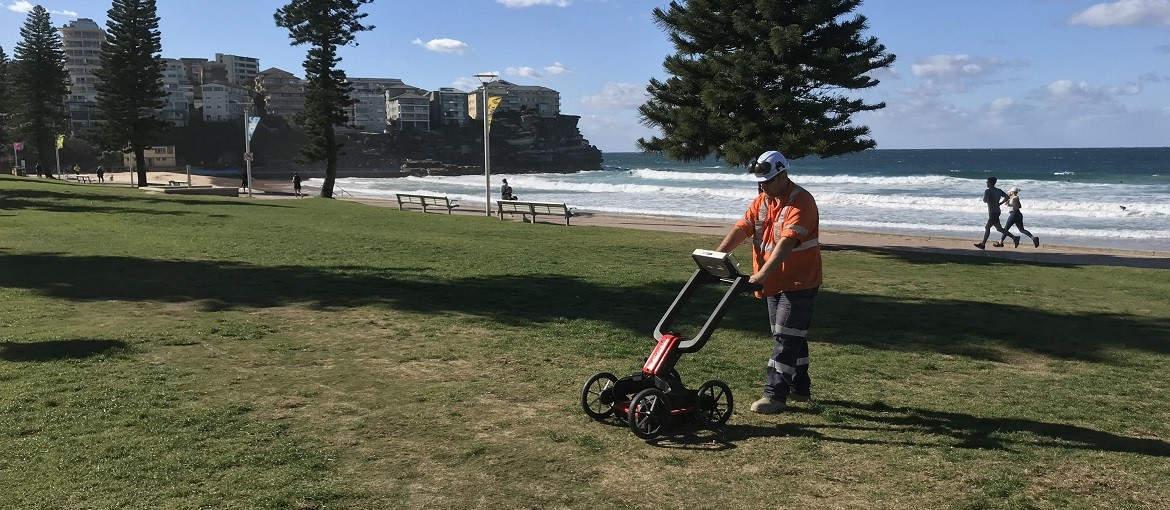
{"x": 762, "y": 168}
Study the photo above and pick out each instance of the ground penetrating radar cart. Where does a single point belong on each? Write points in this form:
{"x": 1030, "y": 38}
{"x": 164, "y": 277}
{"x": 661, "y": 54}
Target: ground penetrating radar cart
{"x": 656, "y": 398}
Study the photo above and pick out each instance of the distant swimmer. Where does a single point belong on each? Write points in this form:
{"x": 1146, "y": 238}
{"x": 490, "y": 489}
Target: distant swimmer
{"x": 994, "y": 197}
{"x": 1123, "y": 208}
{"x": 1016, "y": 218}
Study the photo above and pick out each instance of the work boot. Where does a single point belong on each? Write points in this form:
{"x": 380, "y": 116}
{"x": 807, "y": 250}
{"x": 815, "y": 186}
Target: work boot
{"x": 797, "y": 396}
{"x": 766, "y": 405}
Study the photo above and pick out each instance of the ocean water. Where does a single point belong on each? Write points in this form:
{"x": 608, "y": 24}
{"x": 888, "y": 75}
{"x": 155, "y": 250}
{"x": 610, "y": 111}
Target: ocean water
{"x": 1116, "y": 198}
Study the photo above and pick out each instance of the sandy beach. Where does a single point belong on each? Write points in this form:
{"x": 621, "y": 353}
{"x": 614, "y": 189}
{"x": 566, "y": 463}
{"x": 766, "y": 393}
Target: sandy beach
{"x": 831, "y": 239}
{"x": 159, "y": 178}
{"x": 853, "y": 240}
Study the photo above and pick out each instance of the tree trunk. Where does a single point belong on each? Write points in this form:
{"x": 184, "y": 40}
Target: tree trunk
{"x": 330, "y": 163}
{"x": 49, "y": 168}
{"x": 140, "y": 162}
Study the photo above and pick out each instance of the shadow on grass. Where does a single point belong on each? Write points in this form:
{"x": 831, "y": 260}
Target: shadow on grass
{"x": 981, "y": 330}
{"x": 935, "y": 256}
{"x": 78, "y": 206}
{"x": 945, "y": 326}
{"x": 54, "y": 350}
{"x": 73, "y": 195}
{"x": 879, "y": 424}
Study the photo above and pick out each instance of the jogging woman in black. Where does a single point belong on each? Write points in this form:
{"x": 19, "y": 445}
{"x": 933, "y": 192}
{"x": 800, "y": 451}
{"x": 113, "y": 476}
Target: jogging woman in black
{"x": 1016, "y": 218}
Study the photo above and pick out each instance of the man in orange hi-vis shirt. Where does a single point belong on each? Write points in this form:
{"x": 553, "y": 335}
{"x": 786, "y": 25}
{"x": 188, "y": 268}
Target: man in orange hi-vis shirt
{"x": 782, "y": 223}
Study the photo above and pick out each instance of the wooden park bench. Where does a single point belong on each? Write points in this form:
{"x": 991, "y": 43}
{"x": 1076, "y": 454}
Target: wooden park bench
{"x": 80, "y": 178}
{"x": 425, "y": 201}
{"x": 533, "y": 209}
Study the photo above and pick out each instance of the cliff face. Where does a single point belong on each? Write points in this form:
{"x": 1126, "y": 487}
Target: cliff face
{"x": 521, "y": 143}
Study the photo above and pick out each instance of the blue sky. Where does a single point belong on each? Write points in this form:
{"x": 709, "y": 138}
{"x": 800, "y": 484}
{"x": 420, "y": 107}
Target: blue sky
{"x": 994, "y": 73}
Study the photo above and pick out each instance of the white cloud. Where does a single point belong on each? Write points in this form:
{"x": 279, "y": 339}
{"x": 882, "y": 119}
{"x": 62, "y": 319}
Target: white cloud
{"x": 956, "y": 73}
{"x": 556, "y": 69}
{"x": 24, "y": 7}
{"x": 471, "y": 82}
{"x": 1062, "y": 113}
{"x": 1081, "y": 92}
{"x": 1002, "y": 104}
{"x": 523, "y": 72}
{"x": 520, "y": 4}
{"x": 21, "y": 6}
{"x": 1124, "y": 13}
{"x": 955, "y": 67}
{"x": 465, "y": 83}
{"x": 443, "y": 45}
{"x": 617, "y": 96}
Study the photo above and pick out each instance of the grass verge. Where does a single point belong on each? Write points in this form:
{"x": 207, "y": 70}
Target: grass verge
{"x": 188, "y": 352}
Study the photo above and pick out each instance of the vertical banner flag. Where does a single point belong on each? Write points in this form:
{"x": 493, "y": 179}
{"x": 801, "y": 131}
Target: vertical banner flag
{"x": 493, "y": 103}
{"x": 253, "y": 123}
{"x": 60, "y": 142}
{"x": 18, "y": 146}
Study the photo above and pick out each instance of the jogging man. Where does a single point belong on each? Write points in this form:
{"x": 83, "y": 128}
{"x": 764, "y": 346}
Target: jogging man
{"x": 783, "y": 224}
{"x": 994, "y": 197}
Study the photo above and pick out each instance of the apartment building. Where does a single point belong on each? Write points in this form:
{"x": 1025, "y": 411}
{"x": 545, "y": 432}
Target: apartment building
{"x": 180, "y": 93}
{"x": 410, "y": 110}
{"x": 283, "y": 93}
{"x": 82, "y": 40}
{"x": 368, "y": 112}
{"x": 241, "y": 71}
{"x": 223, "y": 102}
{"x": 541, "y": 101}
{"x": 448, "y": 107}
{"x": 157, "y": 158}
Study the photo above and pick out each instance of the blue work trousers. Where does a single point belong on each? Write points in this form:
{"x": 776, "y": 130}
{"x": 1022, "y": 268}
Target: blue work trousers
{"x": 790, "y": 315}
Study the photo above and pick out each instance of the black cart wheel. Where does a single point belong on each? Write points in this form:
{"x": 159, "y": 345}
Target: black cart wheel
{"x": 649, "y": 411}
{"x": 715, "y": 404}
{"x": 596, "y": 398}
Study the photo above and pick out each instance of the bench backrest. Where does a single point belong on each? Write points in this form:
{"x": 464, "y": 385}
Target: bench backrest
{"x": 423, "y": 199}
{"x": 535, "y": 207}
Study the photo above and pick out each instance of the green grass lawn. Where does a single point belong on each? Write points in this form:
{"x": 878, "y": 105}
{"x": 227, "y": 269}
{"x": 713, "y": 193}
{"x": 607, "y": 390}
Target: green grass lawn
{"x": 187, "y": 352}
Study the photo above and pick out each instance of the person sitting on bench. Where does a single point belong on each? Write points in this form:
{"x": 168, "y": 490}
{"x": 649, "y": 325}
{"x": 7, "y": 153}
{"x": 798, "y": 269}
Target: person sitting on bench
{"x": 506, "y": 192}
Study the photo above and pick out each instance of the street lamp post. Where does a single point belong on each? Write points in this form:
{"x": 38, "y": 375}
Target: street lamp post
{"x": 486, "y": 78}
{"x": 248, "y": 144}
{"x": 247, "y": 140}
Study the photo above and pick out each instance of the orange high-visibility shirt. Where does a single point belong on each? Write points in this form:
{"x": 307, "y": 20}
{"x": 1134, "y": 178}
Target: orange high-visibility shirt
{"x": 769, "y": 220}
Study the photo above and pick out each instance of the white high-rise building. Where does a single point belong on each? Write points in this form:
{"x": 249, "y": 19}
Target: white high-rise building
{"x": 369, "y": 94}
{"x": 241, "y": 71}
{"x": 223, "y": 102}
{"x": 180, "y": 93}
{"x": 410, "y": 110}
{"x": 82, "y": 39}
